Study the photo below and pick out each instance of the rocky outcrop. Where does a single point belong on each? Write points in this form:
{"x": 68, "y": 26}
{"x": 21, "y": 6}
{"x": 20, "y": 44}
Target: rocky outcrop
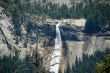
{"x": 60, "y": 2}
{"x": 75, "y": 49}
{"x": 6, "y": 34}
{"x": 31, "y": 34}
{"x": 42, "y": 35}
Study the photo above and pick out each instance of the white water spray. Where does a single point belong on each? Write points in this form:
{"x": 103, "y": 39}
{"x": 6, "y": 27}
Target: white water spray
{"x": 57, "y": 51}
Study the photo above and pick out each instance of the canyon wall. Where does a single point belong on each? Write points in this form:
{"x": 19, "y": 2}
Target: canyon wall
{"x": 75, "y": 41}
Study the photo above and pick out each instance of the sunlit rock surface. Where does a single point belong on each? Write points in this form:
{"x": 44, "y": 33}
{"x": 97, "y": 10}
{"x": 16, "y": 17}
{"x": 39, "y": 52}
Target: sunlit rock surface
{"x": 74, "y": 41}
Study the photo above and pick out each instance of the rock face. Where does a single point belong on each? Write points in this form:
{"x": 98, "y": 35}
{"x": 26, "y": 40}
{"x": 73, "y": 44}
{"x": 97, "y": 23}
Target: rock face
{"x": 90, "y": 46}
{"x": 30, "y": 35}
{"x": 75, "y": 41}
{"x": 60, "y": 2}
{"x": 6, "y": 35}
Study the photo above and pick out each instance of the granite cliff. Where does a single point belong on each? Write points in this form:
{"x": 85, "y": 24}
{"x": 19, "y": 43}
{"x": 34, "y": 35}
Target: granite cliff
{"x": 75, "y": 41}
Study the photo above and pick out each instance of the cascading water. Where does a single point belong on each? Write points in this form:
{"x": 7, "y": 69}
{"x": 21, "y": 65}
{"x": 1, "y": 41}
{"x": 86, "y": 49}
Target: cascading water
{"x": 57, "y": 51}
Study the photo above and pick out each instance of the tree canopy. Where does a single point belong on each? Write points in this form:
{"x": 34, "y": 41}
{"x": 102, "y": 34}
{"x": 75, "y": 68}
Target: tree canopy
{"x": 104, "y": 65}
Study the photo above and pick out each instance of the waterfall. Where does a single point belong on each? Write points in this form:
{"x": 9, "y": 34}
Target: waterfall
{"x": 57, "y": 51}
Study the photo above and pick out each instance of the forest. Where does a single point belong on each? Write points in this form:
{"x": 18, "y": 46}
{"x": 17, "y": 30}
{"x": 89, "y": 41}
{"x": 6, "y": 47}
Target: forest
{"x": 95, "y": 11}
{"x": 21, "y": 12}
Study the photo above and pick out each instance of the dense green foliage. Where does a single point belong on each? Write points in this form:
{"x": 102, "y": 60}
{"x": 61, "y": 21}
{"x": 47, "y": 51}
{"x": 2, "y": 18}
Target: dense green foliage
{"x": 13, "y": 64}
{"x": 91, "y": 64}
{"x": 9, "y": 64}
{"x": 104, "y": 65}
{"x": 96, "y": 12}
{"x": 88, "y": 64}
